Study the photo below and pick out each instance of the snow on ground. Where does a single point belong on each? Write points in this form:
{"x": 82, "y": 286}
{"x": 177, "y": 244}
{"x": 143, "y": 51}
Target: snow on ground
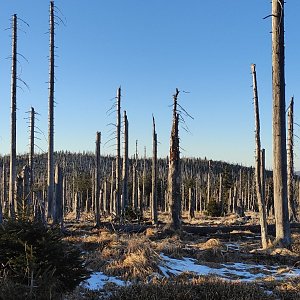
{"x": 229, "y": 271}
{"x": 99, "y": 279}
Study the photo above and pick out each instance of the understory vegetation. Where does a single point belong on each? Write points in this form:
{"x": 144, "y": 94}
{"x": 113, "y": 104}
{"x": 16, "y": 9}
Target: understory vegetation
{"x": 36, "y": 263}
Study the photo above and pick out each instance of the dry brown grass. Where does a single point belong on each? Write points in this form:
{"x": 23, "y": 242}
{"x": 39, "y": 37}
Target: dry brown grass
{"x": 137, "y": 260}
{"x": 135, "y": 257}
{"x": 197, "y": 288}
{"x": 173, "y": 247}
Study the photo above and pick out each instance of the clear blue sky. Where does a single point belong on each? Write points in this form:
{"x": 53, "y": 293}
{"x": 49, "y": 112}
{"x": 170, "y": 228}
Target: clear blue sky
{"x": 150, "y": 48}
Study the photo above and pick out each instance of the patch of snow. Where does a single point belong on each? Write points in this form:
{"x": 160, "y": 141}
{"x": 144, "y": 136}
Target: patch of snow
{"x": 99, "y": 279}
{"x": 230, "y": 271}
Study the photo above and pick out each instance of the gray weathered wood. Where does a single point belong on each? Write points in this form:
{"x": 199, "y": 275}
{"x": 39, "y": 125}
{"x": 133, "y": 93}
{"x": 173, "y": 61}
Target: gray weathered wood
{"x": 13, "y": 142}
{"x": 154, "y": 175}
{"x": 283, "y": 234}
{"x": 174, "y": 176}
{"x": 50, "y": 178}
{"x": 259, "y": 170}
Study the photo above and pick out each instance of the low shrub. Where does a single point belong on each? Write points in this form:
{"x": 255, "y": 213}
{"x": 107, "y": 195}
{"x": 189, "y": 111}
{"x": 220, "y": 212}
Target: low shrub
{"x": 36, "y": 261}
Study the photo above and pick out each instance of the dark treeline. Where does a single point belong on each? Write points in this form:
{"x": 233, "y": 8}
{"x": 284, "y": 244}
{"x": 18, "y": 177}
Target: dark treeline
{"x": 213, "y": 186}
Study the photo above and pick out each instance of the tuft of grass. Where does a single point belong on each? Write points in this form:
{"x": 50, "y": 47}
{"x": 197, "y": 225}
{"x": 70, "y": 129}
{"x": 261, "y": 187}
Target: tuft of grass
{"x": 137, "y": 263}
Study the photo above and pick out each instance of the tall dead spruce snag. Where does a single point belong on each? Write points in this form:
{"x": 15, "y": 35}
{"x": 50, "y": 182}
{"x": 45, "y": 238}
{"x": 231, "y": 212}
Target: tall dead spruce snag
{"x": 259, "y": 170}
{"x": 12, "y": 169}
{"x": 283, "y": 233}
{"x": 50, "y": 178}
{"x": 174, "y": 176}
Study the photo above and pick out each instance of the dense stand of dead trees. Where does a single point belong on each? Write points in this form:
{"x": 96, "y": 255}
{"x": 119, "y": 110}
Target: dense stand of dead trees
{"x": 114, "y": 185}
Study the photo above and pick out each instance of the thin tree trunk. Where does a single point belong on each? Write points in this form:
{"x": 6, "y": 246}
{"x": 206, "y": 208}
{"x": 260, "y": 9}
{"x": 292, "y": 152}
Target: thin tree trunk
{"x": 4, "y": 189}
{"x": 51, "y": 116}
{"x": 112, "y": 190}
{"x": 290, "y": 163}
{"x": 259, "y": 168}
{"x": 191, "y": 204}
{"x": 208, "y": 184}
{"x": 31, "y": 152}
{"x": 97, "y": 179}
{"x": 12, "y": 169}
{"x": 283, "y": 233}
{"x": 143, "y": 200}
{"x": 58, "y": 200}
{"x": 118, "y": 154}
{"x": 125, "y": 166}
{"x": 154, "y": 176}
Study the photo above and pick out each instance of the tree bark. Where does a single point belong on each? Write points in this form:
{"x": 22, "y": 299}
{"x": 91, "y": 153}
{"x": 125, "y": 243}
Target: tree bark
{"x": 290, "y": 164}
{"x": 31, "y": 152}
{"x": 259, "y": 169}
{"x": 125, "y": 166}
{"x": 174, "y": 176}
{"x": 97, "y": 179}
{"x": 283, "y": 234}
{"x": 58, "y": 200}
{"x": 118, "y": 155}
{"x": 154, "y": 176}
{"x": 51, "y": 116}
{"x": 12, "y": 169}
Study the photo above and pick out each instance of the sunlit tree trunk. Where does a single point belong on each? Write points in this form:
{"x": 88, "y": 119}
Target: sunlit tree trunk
{"x": 51, "y": 116}
{"x": 12, "y": 169}
{"x": 154, "y": 176}
{"x": 283, "y": 233}
{"x": 174, "y": 176}
{"x": 290, "y": 163}
{"x": 259, "y": 170}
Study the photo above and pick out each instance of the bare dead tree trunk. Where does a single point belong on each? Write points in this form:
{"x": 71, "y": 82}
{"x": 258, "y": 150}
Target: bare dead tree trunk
{"x": 112, "y": 189}
{"x": 50, "y": 179}
{"x": 133, "y": 195}
{"x": 118, "y": 155}
{"x": 12, "y": 169}
{"x": 290, "y": 163}
{"x": 58, "y": 200}
{"x": 208, "y": 184}
{"x": 135, "y": 180}
{"x": 125, "y": 165}
{"x": 191, "y": 204}
{"x": 26, "y": 191}
{"x": 143, "y": 200}
{"x": 97, "y": 179}
{"x": 31, "y": 151}
{"x": 105, "y": 197}
{"x": 174, "y": 177}
{"x": 259, "y": 171}
{"x": 283, "y": 233}
{"x": 154, "y": 176}
{"x": 4, "y": 188}
{"x": 77, "y": 205}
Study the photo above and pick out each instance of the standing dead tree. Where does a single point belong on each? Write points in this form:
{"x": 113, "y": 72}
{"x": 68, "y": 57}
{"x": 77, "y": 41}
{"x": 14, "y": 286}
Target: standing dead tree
{"x": 283, "y": 233}
{"x": 58, "y": 199}
{"x": 13, "y": 142}
{"x": 118, "y": 155}
{"x": 290, "y": 163}
{"x": 259, "y": 171}
{"x": 50, "y": 178}
{"x": 135, "y": 180}
{"x": 97, "y": 179}
{"x": 174, "y": 178}
{"x": 125, "y": 166}
{"x": 31, "y": 153}
{"x": 154, "y": 176}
